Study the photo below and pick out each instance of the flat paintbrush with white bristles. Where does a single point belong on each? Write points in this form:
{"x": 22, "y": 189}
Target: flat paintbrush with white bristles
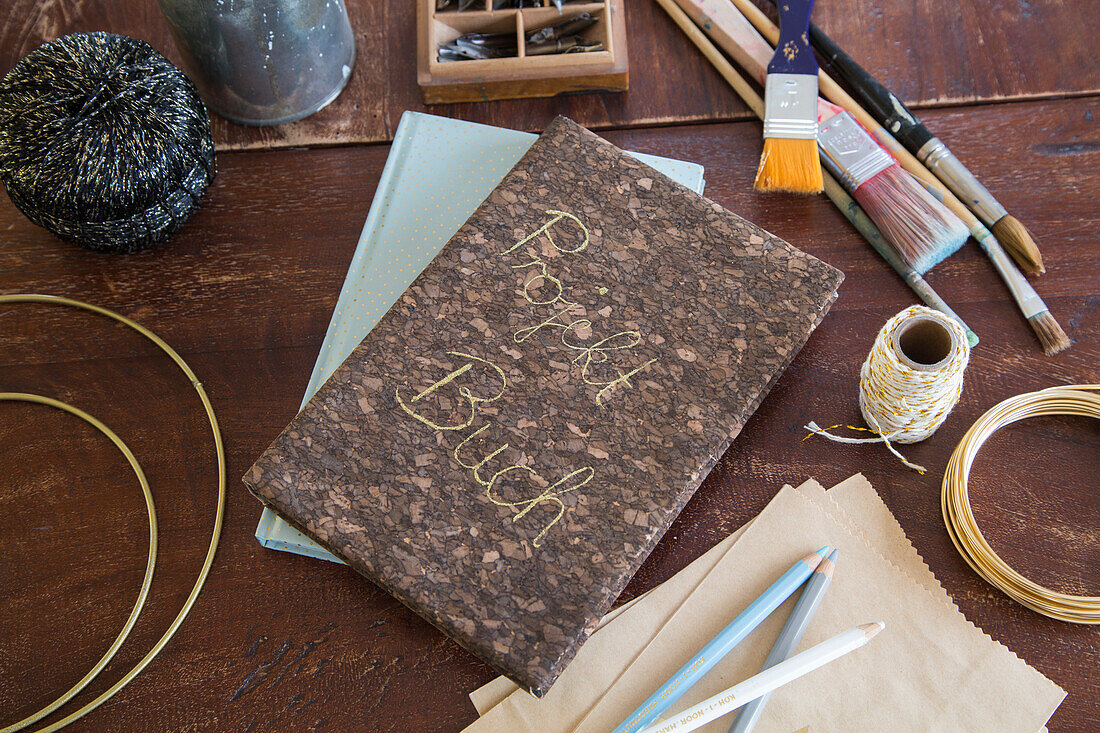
{"x": 789, "y": 161}
{"x": 886, "y": 193}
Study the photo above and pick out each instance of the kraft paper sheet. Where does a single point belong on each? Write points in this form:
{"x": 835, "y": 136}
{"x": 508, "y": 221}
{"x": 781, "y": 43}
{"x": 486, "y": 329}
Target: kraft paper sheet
{"x": 930, "y": 668}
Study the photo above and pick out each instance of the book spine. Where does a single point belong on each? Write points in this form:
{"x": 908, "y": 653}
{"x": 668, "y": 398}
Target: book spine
{"x": 406, "y": 130}
{"x": 266, "y": 527}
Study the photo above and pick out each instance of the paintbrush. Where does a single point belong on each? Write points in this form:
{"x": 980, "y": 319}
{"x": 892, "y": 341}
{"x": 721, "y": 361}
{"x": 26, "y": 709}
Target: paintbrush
{"x": 743, "y": 43}
{"x": 892, "y": 114}
{"x": 921, "y": 229}
{"x": 789, "y": 161}
{"x": 1046, "y": 328}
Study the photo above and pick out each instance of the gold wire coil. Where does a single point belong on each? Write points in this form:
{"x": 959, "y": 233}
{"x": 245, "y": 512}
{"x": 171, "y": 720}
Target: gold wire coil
{"x": 1082, "y": 400}
{"x": 215, "y": 534}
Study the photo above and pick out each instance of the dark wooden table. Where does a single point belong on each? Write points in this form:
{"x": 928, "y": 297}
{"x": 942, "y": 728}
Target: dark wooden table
{"x": 278, "y": 642}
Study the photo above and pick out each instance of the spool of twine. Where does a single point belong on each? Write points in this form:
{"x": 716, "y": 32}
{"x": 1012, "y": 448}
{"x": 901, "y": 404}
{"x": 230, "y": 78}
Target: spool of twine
{"x": 910, "y": 381}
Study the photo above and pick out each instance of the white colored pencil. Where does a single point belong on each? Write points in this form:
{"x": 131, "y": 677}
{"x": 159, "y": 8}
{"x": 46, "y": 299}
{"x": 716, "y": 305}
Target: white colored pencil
{"x": 768, "y": 680}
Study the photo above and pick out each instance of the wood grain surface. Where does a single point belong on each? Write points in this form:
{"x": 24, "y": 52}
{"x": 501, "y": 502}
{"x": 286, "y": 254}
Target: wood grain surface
{"x": 279, "y": 642}
{"x": 929, "y": 53}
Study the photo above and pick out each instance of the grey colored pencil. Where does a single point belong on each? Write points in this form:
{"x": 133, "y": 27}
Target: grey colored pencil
{"x": 789, "y": 637}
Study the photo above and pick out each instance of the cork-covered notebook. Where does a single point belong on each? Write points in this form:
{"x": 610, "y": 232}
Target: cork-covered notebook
{"x": 507, "y": 445}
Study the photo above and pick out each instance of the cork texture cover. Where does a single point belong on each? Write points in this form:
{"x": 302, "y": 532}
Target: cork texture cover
{"x": 505, "y": 448}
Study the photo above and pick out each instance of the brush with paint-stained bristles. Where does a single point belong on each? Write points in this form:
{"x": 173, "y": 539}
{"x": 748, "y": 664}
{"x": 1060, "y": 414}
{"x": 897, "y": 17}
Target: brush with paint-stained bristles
{"x": 892, "y": 114}
{"x": 790, "y": 158}
{"x": 922, "y": 230}
{"x": 1039, "y": 317}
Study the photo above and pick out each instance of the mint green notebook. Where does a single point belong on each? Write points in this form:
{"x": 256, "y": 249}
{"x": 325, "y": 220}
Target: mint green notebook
{"x": 439, "y": 170}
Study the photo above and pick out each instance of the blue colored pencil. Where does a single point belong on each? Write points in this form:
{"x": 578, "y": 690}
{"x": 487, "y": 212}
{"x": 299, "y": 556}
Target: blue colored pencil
{"x": 789, "y": 637}
{"x": 720, "y": 646}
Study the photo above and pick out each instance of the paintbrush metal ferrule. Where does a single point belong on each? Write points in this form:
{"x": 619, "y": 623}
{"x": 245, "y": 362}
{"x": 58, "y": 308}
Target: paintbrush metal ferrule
{"x": 1026, "y": 298}
{"x": 849, "y": 152}
{"x": 942, "y": 162}
{"x": 790, "y": 106}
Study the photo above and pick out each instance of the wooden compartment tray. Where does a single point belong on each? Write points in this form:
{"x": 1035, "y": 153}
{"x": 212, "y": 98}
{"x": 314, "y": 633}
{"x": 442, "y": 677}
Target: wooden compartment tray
{"x": 518, "y": 76}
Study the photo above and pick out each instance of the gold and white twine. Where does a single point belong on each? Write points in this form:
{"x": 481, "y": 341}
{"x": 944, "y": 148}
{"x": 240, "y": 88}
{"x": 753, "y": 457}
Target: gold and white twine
{"x": 904, "y": 400}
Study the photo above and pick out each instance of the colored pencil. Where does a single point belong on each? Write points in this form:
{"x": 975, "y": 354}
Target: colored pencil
{"x": 720, "y": 645}
{"x": 1038, "y": 315}
{"x": 745, "y": 44}
{"x": 769, "y": 680}
{"x": 789, "y": 637}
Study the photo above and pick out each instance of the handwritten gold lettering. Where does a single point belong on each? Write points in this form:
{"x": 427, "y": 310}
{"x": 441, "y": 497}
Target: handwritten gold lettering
{"x": 551, "y": 494}
{"x": 595, "y": 354}
{"x": 553, "y": 321}
{"x": 540, "y": 275}
{"x": 598, "y": 353}
{"x": 545, "y": 230}
{"x": 475, "y": 467}
{"x": 623, "y": 378}
{"x": 505, "y": 487}
{"x": 464, "y": 392}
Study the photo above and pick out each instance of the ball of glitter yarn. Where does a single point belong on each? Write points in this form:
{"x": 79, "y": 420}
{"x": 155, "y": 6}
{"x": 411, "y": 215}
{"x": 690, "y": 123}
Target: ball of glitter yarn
{"x": 103, "y": 142}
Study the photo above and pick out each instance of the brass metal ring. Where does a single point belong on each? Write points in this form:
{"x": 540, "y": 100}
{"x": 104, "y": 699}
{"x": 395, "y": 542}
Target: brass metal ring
{"x": 215, "y": 534}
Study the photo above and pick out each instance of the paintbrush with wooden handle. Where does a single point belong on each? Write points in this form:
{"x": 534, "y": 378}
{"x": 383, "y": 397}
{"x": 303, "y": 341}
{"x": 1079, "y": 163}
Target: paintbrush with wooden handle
{"x": 892, "y": 114}
{"x": 1038, "y": 315}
